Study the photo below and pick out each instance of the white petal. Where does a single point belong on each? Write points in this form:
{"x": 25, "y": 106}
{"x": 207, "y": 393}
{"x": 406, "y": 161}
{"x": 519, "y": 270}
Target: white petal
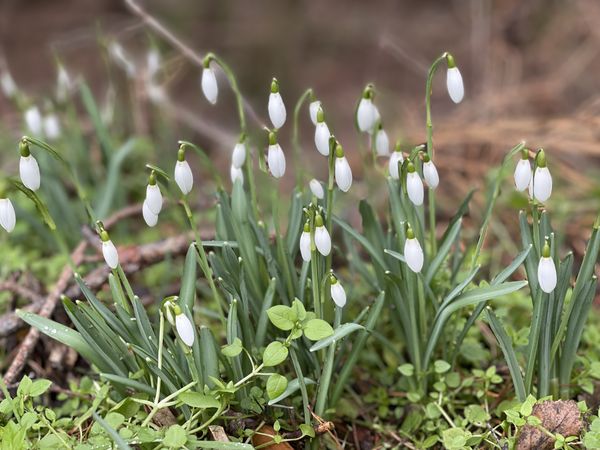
{"x": 455, "y": 86}
{"x": 522, "y": 174}
{"x": 236, "y": 174}
{"x": 276, "y": 160}
{"x": 239, "y": 155}
{"x": 150, "y": 218}
{"x": 365, "y": 115}
{"x": 33, "y": 120}
{"x": 547, "y": 274}
{"x": 185, "y": 329}
{"x": 343, "y": 174}
{"x": 29, "y": 171}
{"x": 430, "y": 174}
{"x": 152, "y": 62}
{"x": 63, "y": 83}
{"x": 305, "y": 245}
{"x": 382, "y": 143}
{"x": 7, "y": 215}
{"x": 51, "y": 126}
{"x": 395, "y": 158}
{"x": 338, "y": 294}
{"x": 414, "y": 187}
{"x": 413, "y": 254}
{"x": 530, "y": 188}
{"x": 111, "y": 256}
{"x": 542, "y": 184}
{"x": 209, "y": 85}
{"x": 316, "y": 189}
{"x": 376, "y": 119}
{"x": 276, "y": 110}
{"x": 7, "y": 83}
{"x": 313, "y": 110}
{"x": 183, "y": 176}
{"x": 322, "y": 240}
{"x": 322, "y": 135}
{"x": 154, "y": 198}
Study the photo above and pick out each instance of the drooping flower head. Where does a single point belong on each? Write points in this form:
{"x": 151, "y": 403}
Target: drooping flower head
{"x": 305, "y": 250}
{"x": 546, "y": 270}
{"x": 238, "y": 156}
{"x": 414, "y": 185}
{"x": 338, "y": 294}
{"x": 322, "y": 238}
{"x": 366, "y": 113}
{"x": 382, "y": 142}
{"x": 275, "y": 156}
{"x": 522, "y": 173}
{"x": 396, "y": 159}
{"x": 322, "y": 134}
{"x": 109, "y": 251}
{"x": 430, "y": 172}
{"x": 454, "y": 81}
{"x": 313, "y": 108}
{"x": 317, "y": 189}
{"x": 343, "y": 172}
{"x": 542, "y": 180}
{"x": 7, "y": 215}
{"x": 29, "y": 171}
{"x": 413, "y": 253}
{"x": 184, "y": 326}
{"x": 276, "y": 106}
{"x": 210, "y": 89}
{"x": 183, "y": 173}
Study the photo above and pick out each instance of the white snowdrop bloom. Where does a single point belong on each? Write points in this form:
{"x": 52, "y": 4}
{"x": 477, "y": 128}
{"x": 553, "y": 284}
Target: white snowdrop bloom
{"x": 150, "y": 217}
{"x": 7, "y": 84}
{"x": 322, "y": 134}
{"x": 63, "y": 83}
{"x": 366, "y": 115}
{"x": 313, "y": 108}
{"x": 236, "y": 173}
{"x": 275, "y": 157}
{"x": 209, "y": 85}
{"x": 118, "y": 54}
{"x": 238, "y": 157}
{"x": 154, "y": 197}
{"x": 414, "y": 186}
{"x": 382, "y": 143}
{"x": 338, "y": 294}
{"x": 168, "y": 311}
{"x": 33, "y": 120}
{"x": 522, "y": 174}
{"x": 317, "y": 189}
{"x": 276, "y": 106}
{"x": 152, "y": 62}
{"x": 51, "y": 126}
{"x": 396, "y": 159}
{"x": 305, "y": 243}
{"x": 454, "y": 81}
{"x": 185, "y": 329}
{"x": 155, "y": 93}
{"x": 7, "y": 215}
{"x": 29, "y": 171}
{"x": 542, "y": 184}
{"x": 183, "y": 174}
{"x": 546, "y": 271}
{"x": 430, "y": 173}
{"x": 343, "y": 172}
{"x": 109, "y": 251}
{"x": 322, "y": 238}
{"x": 413, "y": 253}
{"x": 530, "y": 188}
{"x": 376, "y": 119}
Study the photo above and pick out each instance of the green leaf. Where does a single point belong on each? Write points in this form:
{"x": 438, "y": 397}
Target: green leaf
{"x": 276, "y": 385}
{"x": 291, "y": 387}
{"x": 441, "y": 366}
{"x": 316, "y": 329}
{"x": 175, "y": 437}
{"x": 275, "y": 354}
{"x": 408, "y": 370}
{"x": 283, "y": 317}
{"x": 198, "y": 400}
{"x": 443, "y": 251}
{"x": 39, "y": 387}
{"x": 115, "y": 436}
{"x": 339, "y": 333}
{"x": 39, "y": 204}
{"x": 187, "y": 293}
{"x": 307, "y": 430}
{"x": 232, "y": 349}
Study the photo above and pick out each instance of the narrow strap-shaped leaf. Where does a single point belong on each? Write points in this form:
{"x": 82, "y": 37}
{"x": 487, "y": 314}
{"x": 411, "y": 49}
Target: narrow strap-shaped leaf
{"x": 362, "y": 241}
{"x": 263, "y": 320}
{"x": 294, "y": 224}
{"x": 512, "y": 267}
{"x": 114, "y": 435}
{"x": 534, "y": 334}
{"x": 291, "y": 388}
{"x": 531, "y": 260}
{"x": 187, "y": 293}
{"x": 127, "y": 382}
{"x": 443, "y": 251}
{"x": 338, "y": 334}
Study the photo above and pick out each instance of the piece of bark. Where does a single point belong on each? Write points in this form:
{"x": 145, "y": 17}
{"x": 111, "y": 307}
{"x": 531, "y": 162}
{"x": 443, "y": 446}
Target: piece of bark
{"x": 218, "y": 433}
{"x": 557, "y": 417}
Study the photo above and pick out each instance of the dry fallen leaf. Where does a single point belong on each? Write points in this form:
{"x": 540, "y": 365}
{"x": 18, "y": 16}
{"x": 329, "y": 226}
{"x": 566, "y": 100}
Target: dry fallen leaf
{"x": 557, "y": 417}
{"x": 261, "y": 439}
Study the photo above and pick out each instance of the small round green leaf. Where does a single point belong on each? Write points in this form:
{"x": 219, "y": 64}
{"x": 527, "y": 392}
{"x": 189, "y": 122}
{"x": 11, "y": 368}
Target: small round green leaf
{"x": 316, "y": 329}
{"x": 274, "y": 354}
{"x": 276, "y": 385}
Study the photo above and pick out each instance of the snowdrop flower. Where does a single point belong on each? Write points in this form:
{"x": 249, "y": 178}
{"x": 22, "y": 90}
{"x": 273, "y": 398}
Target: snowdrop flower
{"x": 109, "y": 251}
{"x": 7, "y": 84}
{"x": 523, "y": 172}
{"x": 29, "y": 171}
{"x": 338, "y": 294}
{"x": 238, "y": 157}
{"x": 430, "y": 173}
{"x": 542, "y": 180}
{"x": 276, "y": 107}
{"x": 546, "y": 271}
{"x": 118, "y": 54}
{"x": 183, "y": 173}
{"x": 7, "y": 215}
{"x": 316, "y": 189}
{"x": 382, "y": 142}
{"x": 184, "y": 327}
{"x": 414, "y": 185}
{"x": 51, "y": 126}
{"x": 152, "y": 62}
{"x": 168, "y": 309}
{"x": 322, "y": 238}
{"x": 396, "y": 159}
{"x": 209, "y": 83}
{"x": 366, "y": 113}
{"x": 33, "y": 120}
{"x": 413, "y": 253}
{"x": 305, "y": 242}
{"x": 63, "y": 83}
{"x": 275, "y": 157}
{"x": 343, "y": 172}
{"x": 322, "y": 134}
{"x": 153, "y": 195}
{"x": 454, "y": 81}
{"x": 313, "y": 108}
{"x": 150, "y": 218}
{"x": 236, "y": 174}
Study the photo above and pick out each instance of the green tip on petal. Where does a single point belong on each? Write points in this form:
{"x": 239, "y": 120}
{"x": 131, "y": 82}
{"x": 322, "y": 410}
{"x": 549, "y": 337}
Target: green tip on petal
{"x": 332, "y": 279}
{"x": 525, "y": 153}
{"x": 274, "y": 86}
{"x": 181, "y": 154}
{"x": 540, "y": 158}
{"x": 104, "y": 236}
{"x": 398, "y": 147}
{"x": 320, "y": 115}
{"x": 306, "y": 227}
{"x": 410, "y": 234}
{"x": 410, "y": 167}
{"x": 318, "y": 220}
{"x": 426, "y": 157}
{"x": 450, "y": 61}
{"x": 272, "y": 138}
{"x": 176, "y": 309}
{"x": 24, "y": 147}
{"x": 546, "y": 250}
{"x": 368, "y": 91}
{"x": 339, "y": 151}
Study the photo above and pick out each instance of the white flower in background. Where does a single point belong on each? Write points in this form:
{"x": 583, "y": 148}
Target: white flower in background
{"x": 209, "y": 83}
{"x": 275, "y": 157}
{"x": 454, "y": 81}
{"x": 118, "y": 54}
{"x": 238, "y": 157}
{"x": 313, "y": 108}
{"x": 7, "y": 215}
{"x": 7, "y": 84}
{"x": 317, "y": 189}
{"x": 29, "y": 171}
{"x": 414, "y": 185}
{"x": 63, "y": 83}
{"x": 546, "y": 271}
{"x": 276, "y": 107}
{"x": 376, "y": 119}
{"x": 235, "y": 174}
{"x": 542, "y": 180}
{"x": 366, "y": 113}
{"x": 184, "y": 327}
{"x": 322, "y": 134}
{"x": 152, "y": 62}
{"x": 382, "y": 142}
{"x": 523, "y": 172}
{"x": 430, "y": 172}
{"x": 153, "y": 195}
{"x": 338, "y": 294}
{"x": 396, "y": 159}
{"x": 305, "y": 242}
{"x": 150, "y": 217}
{"x": 343, "y": 172}
{"x": 322, "y": 238}
{"x": 183, "y": 173}
{"x": 51, "y": 126}
{"x": 109, "y": 251}
{"x": 33, "y": 120}
{"x": 413, "y": 253}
